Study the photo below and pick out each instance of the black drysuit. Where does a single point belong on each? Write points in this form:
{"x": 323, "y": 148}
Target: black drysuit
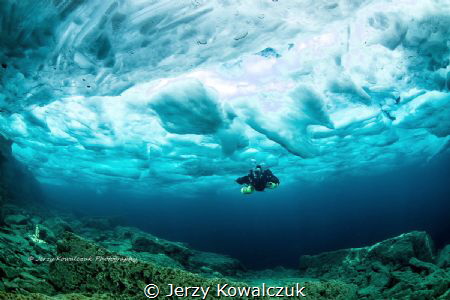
{"x": 258, "y": 182}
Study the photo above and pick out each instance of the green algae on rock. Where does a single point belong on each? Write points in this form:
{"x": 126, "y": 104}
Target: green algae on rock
{"x": 403, "y": 267}
{"x": 124, "y": 278}
{"x": 128, "y": 278}
{"x": 110, "y": 268}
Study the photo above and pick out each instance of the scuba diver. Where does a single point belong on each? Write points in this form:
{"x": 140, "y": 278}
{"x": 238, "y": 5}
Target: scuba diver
{"x": 258, "y": 179}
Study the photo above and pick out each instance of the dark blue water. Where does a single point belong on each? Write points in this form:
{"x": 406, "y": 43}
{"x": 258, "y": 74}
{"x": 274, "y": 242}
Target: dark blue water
{"x": 274, "y": 228}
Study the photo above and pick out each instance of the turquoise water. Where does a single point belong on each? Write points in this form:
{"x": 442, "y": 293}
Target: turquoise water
{"x": 150, "y": 110}
{"x": 275, "y": 228}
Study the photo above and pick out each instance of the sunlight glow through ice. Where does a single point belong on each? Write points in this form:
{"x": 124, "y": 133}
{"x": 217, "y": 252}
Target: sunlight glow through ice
{"x": 187, "y": 95}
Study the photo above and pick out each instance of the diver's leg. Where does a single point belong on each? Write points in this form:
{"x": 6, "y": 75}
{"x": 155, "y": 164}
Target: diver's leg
{"x": 271, "y": 185}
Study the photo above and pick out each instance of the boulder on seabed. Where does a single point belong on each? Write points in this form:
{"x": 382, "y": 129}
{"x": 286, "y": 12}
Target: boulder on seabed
{"x": 389, "y": 253}
{"x": 16, "y": 220}
{"x": 403, "y": 267}
{"x": 443, "y": 260}
{"x": 150, "y": 244}
{"x": 208, "y": 262}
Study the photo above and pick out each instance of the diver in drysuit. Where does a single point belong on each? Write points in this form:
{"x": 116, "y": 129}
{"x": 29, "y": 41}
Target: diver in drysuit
{"x": 258, "y": 179}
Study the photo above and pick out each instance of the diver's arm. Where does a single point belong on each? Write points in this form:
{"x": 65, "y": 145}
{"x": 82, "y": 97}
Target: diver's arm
{"x": 243, "y": 180}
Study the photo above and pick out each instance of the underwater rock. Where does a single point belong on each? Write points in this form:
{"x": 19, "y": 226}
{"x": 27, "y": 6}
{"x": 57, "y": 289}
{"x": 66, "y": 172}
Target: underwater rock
{"x": 123, "y": 277}
{"x": 101, "y": 223}
{"x": 154, "y": 245}
{"x": 143, "y": 244}
{"x": 20, "y": 268}
{"x": 39, "y": 296}
{"x": 28, "y": 282}
{"x": 147, "y": 247}
{"x": 399, "y": 250}
{"x": 158, "y": 259}
{"x": 16, "y": 220}
{"x": 126, "y": 279}
{"x": 58, "y": 226}
{"x": 125, "y": 259}
{"x": 391, "y": 252}
{"x": 402, "y": 267}
{"x": 330, "y": 290}
{"x": 443, "y": 259}
{"x": 122, "y": 273}
{"x": 129, "y": 241}
{"x": 211, "y": 262}
{"x": 191, "y": 260}
{"x": 420, "y": 266}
